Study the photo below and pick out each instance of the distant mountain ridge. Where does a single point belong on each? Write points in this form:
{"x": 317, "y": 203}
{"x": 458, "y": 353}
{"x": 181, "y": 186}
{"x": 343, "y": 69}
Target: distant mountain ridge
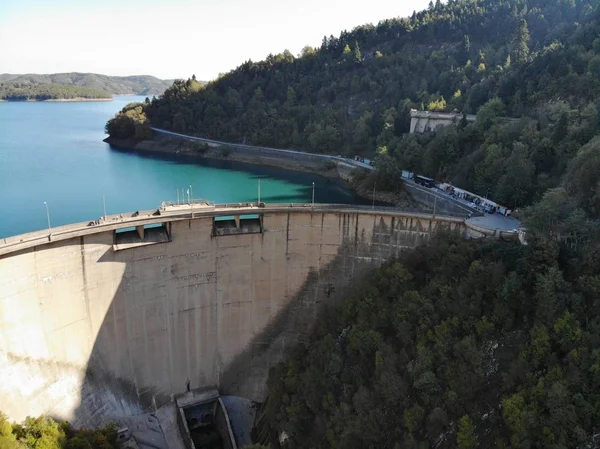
{"x": 115, "y": 85}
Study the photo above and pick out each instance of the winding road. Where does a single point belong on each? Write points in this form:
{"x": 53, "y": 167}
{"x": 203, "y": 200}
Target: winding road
{"x": 253, "y": 147}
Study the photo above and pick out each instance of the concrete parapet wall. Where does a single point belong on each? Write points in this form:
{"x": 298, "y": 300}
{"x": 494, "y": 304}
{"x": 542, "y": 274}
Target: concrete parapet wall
{"x": 183, "y": 428}
{"x": 479, "y": 232}
{"x": 223, "y": 424}
{"x": 443, "y": 203}
{"x": 88, "y": 332}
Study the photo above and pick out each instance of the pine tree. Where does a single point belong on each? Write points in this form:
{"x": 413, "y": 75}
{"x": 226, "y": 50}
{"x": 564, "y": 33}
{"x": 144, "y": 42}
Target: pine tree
{"x": 465, "y": 437}
{"x": 521, "y": 42}
{"x": 561, "y": 128}
{"x": 291, "y": 97}
{"x": 357, "y": 54}
{"x": 465, "y": 51}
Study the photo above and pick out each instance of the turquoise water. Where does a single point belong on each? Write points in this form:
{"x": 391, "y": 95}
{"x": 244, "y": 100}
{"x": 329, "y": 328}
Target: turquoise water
{"x": 53, "y": 152}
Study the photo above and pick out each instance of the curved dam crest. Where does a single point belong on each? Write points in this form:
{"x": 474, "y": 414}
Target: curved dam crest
{"x": 103, "y": 321}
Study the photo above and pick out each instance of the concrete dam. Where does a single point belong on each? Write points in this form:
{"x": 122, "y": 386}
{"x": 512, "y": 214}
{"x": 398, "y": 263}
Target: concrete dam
{"x": 118, "y": 316}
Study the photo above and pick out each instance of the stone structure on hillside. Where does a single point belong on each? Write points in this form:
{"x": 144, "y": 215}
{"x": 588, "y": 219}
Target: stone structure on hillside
{"x": 430, "y": 121}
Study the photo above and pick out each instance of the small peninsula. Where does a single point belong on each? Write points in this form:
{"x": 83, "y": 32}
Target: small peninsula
{"x": 49, "y": 92}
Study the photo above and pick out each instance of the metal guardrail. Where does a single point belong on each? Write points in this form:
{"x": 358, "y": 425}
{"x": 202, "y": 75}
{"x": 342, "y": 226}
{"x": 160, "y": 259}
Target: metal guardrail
{"x": 349, "y": 161}
{"x": 164, "y": 204}
{"x": 319, "y": 206}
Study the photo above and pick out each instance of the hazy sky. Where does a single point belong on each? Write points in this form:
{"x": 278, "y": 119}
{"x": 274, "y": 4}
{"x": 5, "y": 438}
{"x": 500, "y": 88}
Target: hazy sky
{"x": 171, "y": 38}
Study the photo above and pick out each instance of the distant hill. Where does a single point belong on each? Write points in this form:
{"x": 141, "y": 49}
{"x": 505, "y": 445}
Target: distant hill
{"x": 115, "y": 85}
{"x": 32, "y": 91}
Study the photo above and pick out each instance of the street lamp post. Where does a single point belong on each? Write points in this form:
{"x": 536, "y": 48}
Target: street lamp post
{"x": 48, "y": 217}
{"x": 259, "y": 191}
{"x": 104, "y": 204}
{"x": 373, "y": 207}
{"x": 313, "y": 196}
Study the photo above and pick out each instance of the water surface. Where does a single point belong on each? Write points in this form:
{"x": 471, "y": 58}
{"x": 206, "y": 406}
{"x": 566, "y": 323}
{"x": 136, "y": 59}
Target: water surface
{"x": 53, "y": 152}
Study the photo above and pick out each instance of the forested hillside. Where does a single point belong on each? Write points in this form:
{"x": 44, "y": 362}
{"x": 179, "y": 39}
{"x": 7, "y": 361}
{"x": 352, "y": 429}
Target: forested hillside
{"x": 538, "y": 59}
{"x": 45, "y": 433}
{"x": 115, "y": 85}
{"x": 24, "y": 91}
{"x": 457, "y": 345}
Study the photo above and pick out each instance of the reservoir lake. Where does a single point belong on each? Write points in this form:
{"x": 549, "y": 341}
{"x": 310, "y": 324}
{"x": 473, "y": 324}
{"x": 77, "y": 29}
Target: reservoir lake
{"x": 53, "y": 152}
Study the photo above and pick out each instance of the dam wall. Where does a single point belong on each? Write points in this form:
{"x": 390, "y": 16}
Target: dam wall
{"x": 98, "y": 321}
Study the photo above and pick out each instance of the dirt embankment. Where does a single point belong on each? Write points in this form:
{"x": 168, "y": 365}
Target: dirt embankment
{"x": 198, "y": 151}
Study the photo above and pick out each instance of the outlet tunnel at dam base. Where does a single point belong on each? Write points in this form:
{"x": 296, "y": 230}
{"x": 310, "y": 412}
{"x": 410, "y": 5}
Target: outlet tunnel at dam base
{"x": 116, "y": 320}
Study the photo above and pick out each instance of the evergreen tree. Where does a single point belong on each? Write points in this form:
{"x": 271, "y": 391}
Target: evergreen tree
{"x": 357, "y": 54}
{"x": 561, "y": 128}
{"x": 465, "y": 50}
{"x": 465, "y": 437}
{"x": 521, "y": 42}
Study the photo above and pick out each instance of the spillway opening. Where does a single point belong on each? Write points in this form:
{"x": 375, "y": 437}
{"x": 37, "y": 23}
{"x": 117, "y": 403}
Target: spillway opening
{"x": 136, "y": 236}
{"x": 235, "y": 225}
{"x": 200, "y": 419}
{"x": 204, "y": 421}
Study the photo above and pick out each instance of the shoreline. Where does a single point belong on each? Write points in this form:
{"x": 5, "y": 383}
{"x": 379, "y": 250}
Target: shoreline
{"x": 57, "y": 100}
{"x": 181, "y": 149}
{"x": 68, "y": 100}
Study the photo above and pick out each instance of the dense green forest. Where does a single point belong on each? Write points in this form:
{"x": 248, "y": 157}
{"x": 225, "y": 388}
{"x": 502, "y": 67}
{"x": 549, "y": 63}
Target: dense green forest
{"x": 115, "y": 85}
{"x": 535, "y": 59}
{"x": 45, "y": 433}
{"x": 458, "y": 344}
{"x": 23, "y": 91}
